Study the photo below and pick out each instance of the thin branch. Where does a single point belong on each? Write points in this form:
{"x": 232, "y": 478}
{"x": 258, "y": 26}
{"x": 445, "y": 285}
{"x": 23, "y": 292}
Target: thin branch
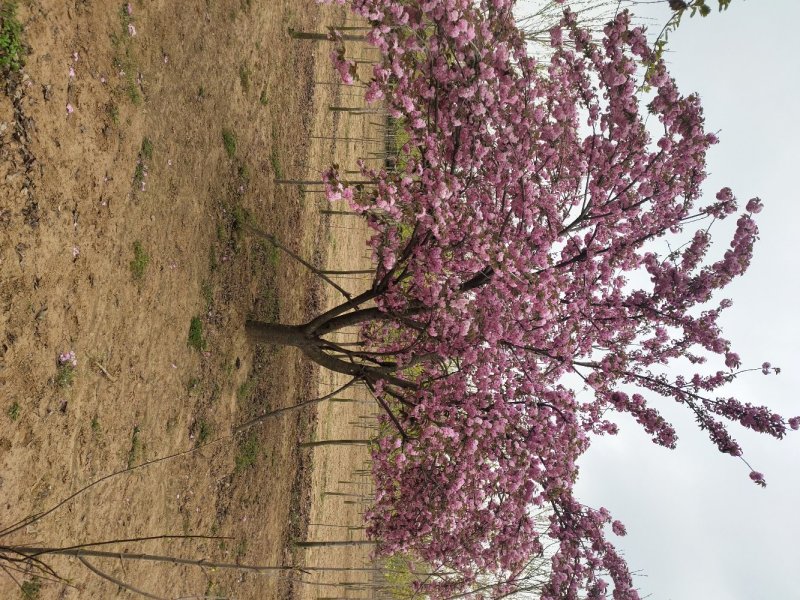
{"x": 274, "y": 241}
{"x": 389, "y": 412}
{"x": 349, "y": 272}
{"x": 313, "y": 325}
{"x": 274, "y": 413}
{"x": 125, "y": 541}
{"x": 57, "y": 579}
{"x": 118, "y": 582}
{"x": 201, "y": 562}
{"x": 14, "y": 527}
{"x": 14, "y": 579}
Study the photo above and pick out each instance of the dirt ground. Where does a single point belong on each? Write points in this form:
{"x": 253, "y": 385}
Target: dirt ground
{"x": 133, "y": 149}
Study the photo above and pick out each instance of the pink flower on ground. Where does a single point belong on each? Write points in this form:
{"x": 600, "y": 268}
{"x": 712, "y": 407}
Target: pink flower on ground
{"x": 68, "y": 358}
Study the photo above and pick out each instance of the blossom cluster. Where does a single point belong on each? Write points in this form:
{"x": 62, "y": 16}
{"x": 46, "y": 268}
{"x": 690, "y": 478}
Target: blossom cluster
{"x": 531, "y": 193}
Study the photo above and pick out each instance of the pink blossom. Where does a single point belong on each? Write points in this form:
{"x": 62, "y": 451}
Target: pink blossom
{"x": 68, "y": 358}
{"x": 618, "y": 528}
{"x": 754, "y": 205}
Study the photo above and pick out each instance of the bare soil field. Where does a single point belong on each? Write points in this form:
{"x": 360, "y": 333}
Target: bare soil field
{"x": 134, "y": 147}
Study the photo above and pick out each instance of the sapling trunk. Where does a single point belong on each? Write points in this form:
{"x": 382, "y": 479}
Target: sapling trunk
{"x": 321, "y": 182}
{"x": 318, "y": 36}
{"x": 25, "y": 551}
{"x": 348, "y": 213}
{"x": 355, "y": 110}
{"x": 334, "y": 543}
{"x": 335, "y": 443}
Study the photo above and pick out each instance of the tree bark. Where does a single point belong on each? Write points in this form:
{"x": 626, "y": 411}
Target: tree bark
{"x": 312, "y": 345}
{"x": 277, "y": 334}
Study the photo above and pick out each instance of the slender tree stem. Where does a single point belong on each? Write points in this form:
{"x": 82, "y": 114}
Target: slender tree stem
{"x": 315, "y": 544}
{"x": 275, "y": 413}
{"x": 335, "y": 443}
{"x": 24, "y": 551}
{"x": 116, "y": 581}
{"x": 274, "y": 241}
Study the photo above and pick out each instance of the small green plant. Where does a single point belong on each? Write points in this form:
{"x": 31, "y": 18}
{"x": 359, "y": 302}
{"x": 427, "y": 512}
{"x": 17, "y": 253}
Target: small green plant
{"x": 192, "y": 385}
{"x": 239, "y": 217}
{"x": 196, "y": 339}
{"x": 213, "y": 264}
{"x": 13, "y": 411}
{"x": 12, "y": 50}
{"x": 201, "y": 93}
{"x": 214, "y": 590}
{"x": 229, "y": 140}
{"x": 244, "y": 77}
{"x": 65, "y": 375}
{"x": 245, "y": 389}
{"x": 125, "y": 16}
{"x": 133, "y": 92}
{"x": 147, "y": 148}
{"x": 30, "y": 589}
{"x": 124, "y": 59}
{"x": 204, "y": 432}
{"x": 273, "y": 255}
{"x": 136, "y": 447}
{"x": 139, "y": 173}
{"x": 113, "y": 112}
{"x": 95, "y": 425}
{"x": 140, "y": 260}
{"x": 275, "y": 160}
{"x": 248, "y": 453}
{"x": 241, "y": 549}
{"x": 263, "y": 99}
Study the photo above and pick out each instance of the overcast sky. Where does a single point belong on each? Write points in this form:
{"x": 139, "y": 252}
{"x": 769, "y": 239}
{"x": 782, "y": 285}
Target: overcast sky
{"x": 698, "y": 528}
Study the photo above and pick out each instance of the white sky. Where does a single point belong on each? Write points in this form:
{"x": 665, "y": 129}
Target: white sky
{"x": 698, "y": 528}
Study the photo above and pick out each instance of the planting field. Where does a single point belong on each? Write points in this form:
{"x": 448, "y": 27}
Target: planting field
{"x": 136, "y": 146}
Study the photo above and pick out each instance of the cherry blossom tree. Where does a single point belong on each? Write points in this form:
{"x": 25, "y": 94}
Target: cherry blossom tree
{"x": 541, "y": 259}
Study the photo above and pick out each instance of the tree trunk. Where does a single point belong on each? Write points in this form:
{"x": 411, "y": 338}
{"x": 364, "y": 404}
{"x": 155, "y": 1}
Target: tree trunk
{"x": 277, "y": 334}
